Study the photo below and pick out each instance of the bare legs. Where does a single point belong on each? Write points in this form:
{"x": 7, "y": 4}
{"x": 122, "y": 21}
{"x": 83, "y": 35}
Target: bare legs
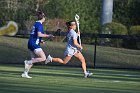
{"x": 82, "y": 60}
{"x": 36, "y": 56}
{"x": 78, "y": 55}
{"x": 64, "y": 61}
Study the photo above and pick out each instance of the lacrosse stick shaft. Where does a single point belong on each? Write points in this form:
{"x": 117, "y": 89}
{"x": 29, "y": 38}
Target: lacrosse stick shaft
{"x": 79, "y": 35}
{"x": 77, "y": 22}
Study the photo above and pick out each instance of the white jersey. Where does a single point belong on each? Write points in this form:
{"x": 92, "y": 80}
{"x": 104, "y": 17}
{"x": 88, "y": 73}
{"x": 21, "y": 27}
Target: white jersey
{"x": 70, "y": 37}
{"x": 71, "y": 49}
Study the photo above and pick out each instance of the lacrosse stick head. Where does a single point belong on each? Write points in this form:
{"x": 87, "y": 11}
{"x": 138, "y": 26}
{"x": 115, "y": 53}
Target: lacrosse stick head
{"x": 77, "y": 18}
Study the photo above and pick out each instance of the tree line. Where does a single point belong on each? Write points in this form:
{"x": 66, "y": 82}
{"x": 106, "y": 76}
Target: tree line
{"x": 125, "y": 12}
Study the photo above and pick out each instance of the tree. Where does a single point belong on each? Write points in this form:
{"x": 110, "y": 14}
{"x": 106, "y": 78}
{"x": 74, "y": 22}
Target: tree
{"x": 127, "y": 12}
{"x": 88, "y": 10}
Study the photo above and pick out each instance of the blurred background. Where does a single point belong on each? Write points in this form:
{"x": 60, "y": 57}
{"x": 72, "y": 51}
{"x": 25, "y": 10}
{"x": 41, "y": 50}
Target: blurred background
{"x": 111, "y": 45}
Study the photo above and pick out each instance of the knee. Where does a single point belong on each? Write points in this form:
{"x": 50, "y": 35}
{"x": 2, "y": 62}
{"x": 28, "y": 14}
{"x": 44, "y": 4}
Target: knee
{"x": 60, "y": 61}
{"x": 64, "y": 63}
{"x": 43, "y": 58}
{"x": 82, "y": 60}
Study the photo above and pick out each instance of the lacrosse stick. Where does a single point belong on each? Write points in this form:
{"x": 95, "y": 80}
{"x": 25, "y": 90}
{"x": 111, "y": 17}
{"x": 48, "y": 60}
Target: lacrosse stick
{"x": 77, "y": 22}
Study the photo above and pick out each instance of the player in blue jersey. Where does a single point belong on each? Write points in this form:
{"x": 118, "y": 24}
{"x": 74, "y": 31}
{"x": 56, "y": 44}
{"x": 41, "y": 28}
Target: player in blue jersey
{"x": 37, "y": 54}
{"x": 73, "y": 49}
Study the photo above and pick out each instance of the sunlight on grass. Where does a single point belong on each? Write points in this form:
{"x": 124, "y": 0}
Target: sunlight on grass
{"x": 57, "y": 79}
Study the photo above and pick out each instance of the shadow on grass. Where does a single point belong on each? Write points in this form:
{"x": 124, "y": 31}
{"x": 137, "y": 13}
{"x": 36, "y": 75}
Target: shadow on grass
{"x": 18, "y": 73}
{"x": 58, "y": 88}
{"x": 103, "y": 76}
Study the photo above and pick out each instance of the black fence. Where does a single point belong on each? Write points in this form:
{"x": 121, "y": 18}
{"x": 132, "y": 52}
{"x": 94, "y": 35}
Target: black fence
{"x": 99, "y": 50}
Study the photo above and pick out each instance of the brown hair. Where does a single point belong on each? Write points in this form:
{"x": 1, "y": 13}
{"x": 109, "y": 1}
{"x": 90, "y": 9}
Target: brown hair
{"x": 70, "y": 23}
{"x": 40, "y": 15}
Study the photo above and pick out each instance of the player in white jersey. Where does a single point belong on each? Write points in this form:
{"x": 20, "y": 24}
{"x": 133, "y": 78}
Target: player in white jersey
{"x": 73, "y": 49}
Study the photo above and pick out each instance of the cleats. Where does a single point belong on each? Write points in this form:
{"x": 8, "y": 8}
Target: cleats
{"x": 27, "y": 67}
{"x": 49, "y": 59}
{"x": 25, "y": 75}
{"x": 88, "y": 74}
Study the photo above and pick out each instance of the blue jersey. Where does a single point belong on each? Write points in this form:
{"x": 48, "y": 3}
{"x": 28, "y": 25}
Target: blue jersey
{"x": 34, "y": 40}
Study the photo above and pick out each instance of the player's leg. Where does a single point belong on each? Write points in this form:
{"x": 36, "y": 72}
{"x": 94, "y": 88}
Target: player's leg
{"x": 58, "y": 60}
{"x": 28, "y": 63}
{"x": 64, "y": 61}
{"x": 68, "y": 54}
{"x": 40, "y": 57}
{"x": 79, "y": 55}
{"x": 25, "y": 73}
{"x": 33, "y": 56}
{"x": 82, "y": 60}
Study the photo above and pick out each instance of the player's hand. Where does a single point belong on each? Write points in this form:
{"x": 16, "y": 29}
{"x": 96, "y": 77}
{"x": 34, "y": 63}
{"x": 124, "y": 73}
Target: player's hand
{"x": 43, "y": 41}
{"x": 50, "y": 36}
{"x": 81, "y": 47}
{"x": 78, "y": 33}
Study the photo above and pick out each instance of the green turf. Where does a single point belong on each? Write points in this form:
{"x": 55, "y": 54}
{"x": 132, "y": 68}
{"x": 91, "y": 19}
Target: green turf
{"x": 58, "y": 79}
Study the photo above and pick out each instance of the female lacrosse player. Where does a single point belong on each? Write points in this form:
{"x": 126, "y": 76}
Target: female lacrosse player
{"x": 37, "y": 54}
{"x": 73, "y": 49}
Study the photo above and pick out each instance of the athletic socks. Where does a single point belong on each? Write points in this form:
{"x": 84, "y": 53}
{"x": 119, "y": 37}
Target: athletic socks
{"x": 26, "y": 72}
{"x": 85, "y": 72}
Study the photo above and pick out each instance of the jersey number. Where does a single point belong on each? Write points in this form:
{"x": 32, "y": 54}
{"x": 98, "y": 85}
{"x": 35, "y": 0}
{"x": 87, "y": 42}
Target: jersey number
{"x": 33, "y": 30}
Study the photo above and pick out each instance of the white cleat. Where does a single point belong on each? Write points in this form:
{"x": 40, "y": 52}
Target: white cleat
{"x": 49, "y": 59}
{"x": 88, "y": 74}
{"x": 25, "y": 75}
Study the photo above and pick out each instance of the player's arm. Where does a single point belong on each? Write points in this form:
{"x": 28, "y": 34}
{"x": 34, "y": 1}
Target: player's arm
{"x": 42, "y": 35}
{"x": 74, "y": 35}
{"x": 45, "y": 35}
{"x": 77, "y": 44}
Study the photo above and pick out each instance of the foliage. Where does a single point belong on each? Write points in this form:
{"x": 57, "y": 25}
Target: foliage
{"x": 135, "y": 30}
{"x": 88, "y": 10}
{"x": 115, "y": 29}
{"x": 125, "y": 12}
{"x": 130, "y": 43}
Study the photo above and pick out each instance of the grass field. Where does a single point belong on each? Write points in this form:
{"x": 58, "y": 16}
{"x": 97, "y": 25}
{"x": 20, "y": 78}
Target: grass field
{"x": 58, "y": 79}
